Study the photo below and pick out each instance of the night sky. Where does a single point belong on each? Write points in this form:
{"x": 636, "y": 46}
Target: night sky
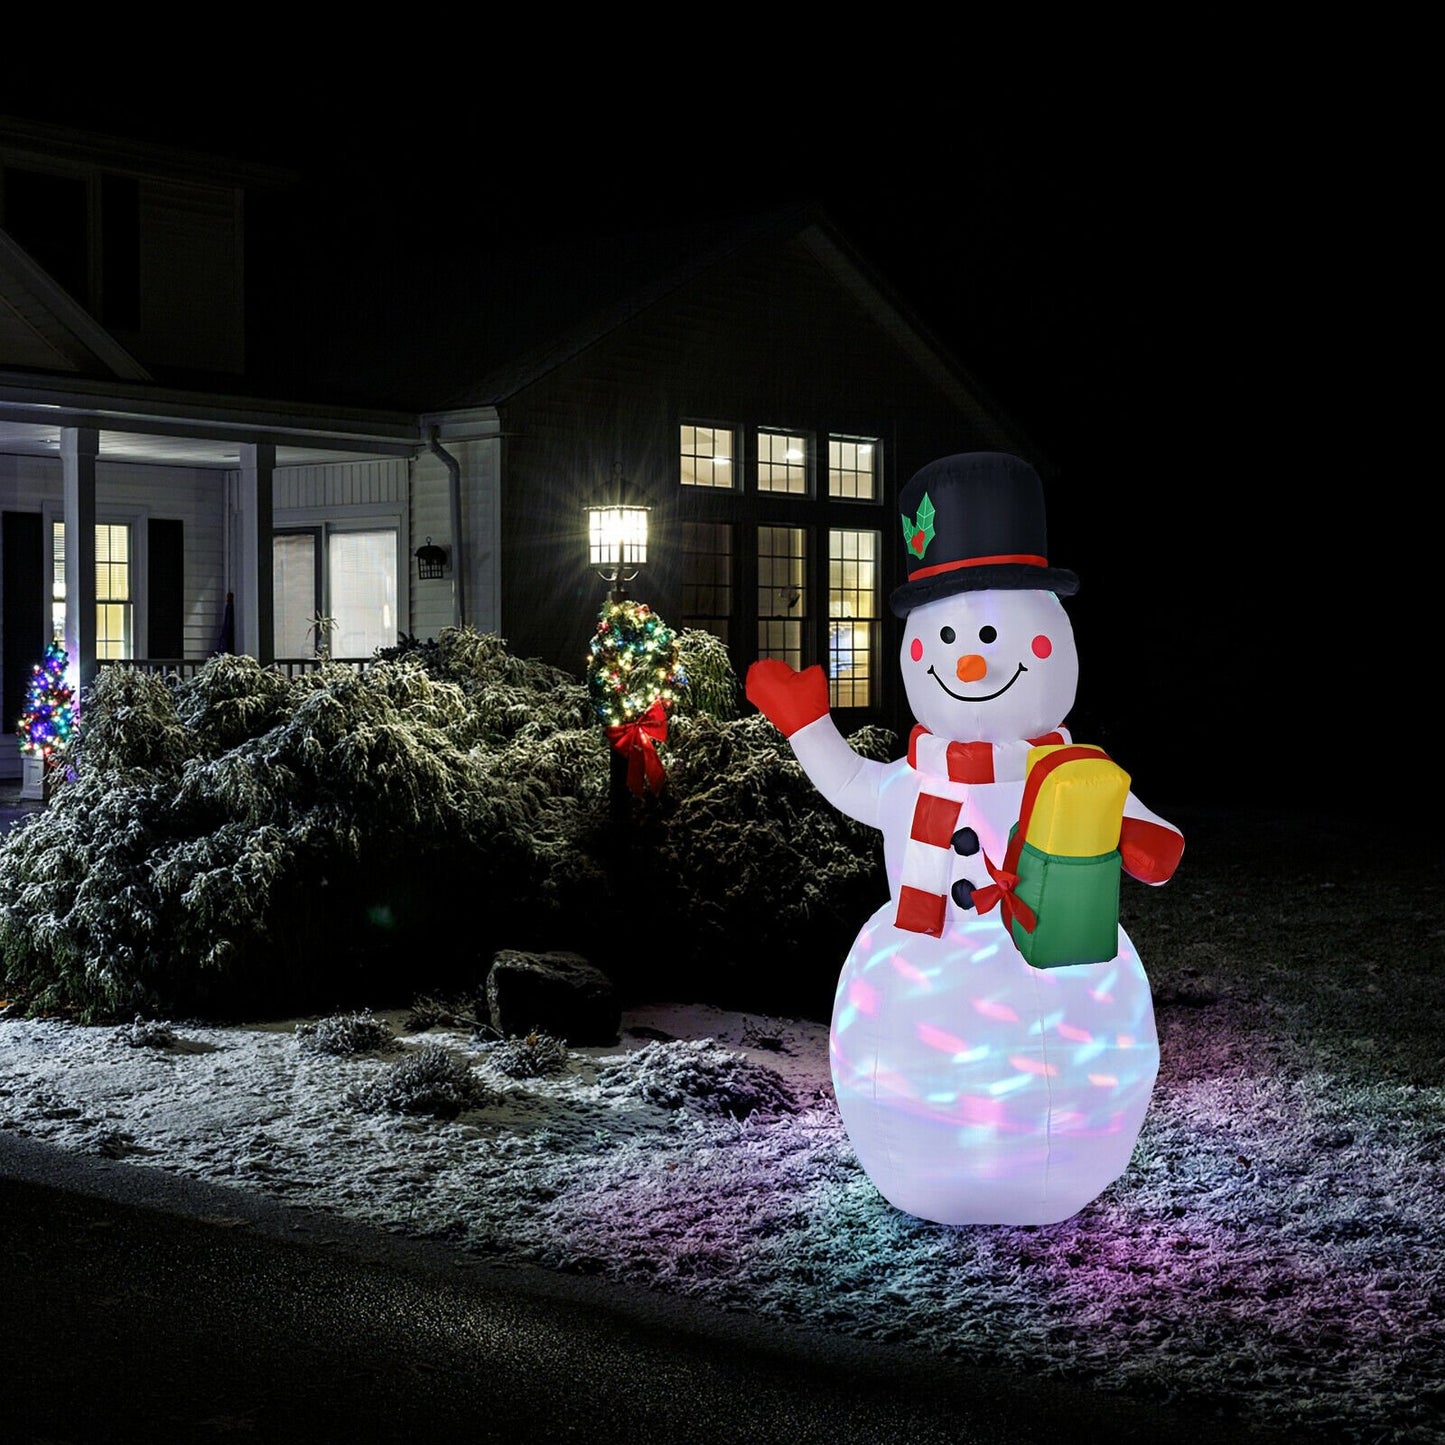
{"x": 1122, "y": 277}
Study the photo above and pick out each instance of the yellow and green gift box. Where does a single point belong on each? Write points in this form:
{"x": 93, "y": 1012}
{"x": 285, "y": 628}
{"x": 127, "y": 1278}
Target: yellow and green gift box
{"x": 1063, "y": 857}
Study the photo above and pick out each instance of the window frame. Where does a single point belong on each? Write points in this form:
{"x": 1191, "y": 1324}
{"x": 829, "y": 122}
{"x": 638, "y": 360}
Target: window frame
{"x": 817, "y": 512}
{"x": 138, "y": 566}
{"x": 323, "y": 522}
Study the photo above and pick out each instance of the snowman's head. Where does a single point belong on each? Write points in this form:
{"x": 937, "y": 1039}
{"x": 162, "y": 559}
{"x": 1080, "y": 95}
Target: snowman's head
{"x": 990, "y": 666}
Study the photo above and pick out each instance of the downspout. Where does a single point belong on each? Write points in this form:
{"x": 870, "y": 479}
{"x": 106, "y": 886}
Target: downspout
{"x": 453, "y": 466}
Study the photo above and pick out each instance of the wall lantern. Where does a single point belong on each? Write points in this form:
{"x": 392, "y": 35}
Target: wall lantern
{"x": 617, "y": 535}
{"x": 431, "y": 561}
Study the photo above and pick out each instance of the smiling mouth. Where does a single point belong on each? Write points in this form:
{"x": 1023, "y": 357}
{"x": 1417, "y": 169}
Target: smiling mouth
{"x": 958, "y": 697}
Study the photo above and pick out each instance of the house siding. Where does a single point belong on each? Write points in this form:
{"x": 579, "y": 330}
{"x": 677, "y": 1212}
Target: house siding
{"x": 770, "y": 338}
{"x": 192, "y": 278}
{"x": 433, "y": 601}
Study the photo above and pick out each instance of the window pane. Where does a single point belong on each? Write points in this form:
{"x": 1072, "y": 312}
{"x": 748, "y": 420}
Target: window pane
{"x": 782, "y": 593}
{"x": 293, "y": 593}
{"x": 852, "y": 468}
{"x": 782, "y": 463}
{"x": 57, "y": 579}
{"x": 706, "y": 454}
{"x": 362, "y": 568}
{"x": 707, "y": 589}
{"x": 853, "y": 618}
{"x": 114, "y": 609}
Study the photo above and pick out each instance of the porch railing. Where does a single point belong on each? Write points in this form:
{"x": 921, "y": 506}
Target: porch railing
{"x": 185, "y": 667}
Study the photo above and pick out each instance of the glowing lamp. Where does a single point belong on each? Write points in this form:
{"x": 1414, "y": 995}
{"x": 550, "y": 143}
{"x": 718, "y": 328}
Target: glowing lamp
{"x": 617, "y": 535}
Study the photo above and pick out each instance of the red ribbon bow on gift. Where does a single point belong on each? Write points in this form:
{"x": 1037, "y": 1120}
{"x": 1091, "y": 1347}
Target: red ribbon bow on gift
{"x": 1001, "y": 891}
{"x": 638, "y": 740}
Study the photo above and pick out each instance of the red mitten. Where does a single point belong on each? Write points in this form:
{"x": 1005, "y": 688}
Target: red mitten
{"x": 1150, "y": 851}
{"x": 789, "y": 700}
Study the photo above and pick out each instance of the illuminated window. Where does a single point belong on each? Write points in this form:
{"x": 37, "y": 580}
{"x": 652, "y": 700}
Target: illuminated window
{"x": 782, "y": 463}
{"x": 707, "y": 589}
{"x": 782, "y": 593}
{"x": 853, "y": 620}
{"x": 852, "y": 468}
{"x": 114, "y": 588}
{"x": 706, "y": 454}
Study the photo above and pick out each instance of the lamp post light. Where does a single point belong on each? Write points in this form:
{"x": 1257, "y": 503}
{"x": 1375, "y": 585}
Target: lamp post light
{"x": 617, "y": 548}
{"x": 617, "y": 537}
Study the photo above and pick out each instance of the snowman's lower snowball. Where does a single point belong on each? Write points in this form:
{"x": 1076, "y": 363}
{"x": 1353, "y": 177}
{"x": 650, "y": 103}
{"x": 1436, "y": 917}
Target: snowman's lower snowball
{"x": 977, "y": 1089}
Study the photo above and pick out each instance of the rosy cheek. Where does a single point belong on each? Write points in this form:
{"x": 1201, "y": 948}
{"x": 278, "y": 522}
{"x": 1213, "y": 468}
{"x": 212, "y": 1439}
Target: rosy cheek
{"x": 1042, "y": 646}
{"x": 915, "y": 649}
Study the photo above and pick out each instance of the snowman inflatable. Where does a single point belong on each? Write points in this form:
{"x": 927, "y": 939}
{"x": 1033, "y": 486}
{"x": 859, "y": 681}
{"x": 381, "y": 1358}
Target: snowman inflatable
{"x": 978, "y": 1086}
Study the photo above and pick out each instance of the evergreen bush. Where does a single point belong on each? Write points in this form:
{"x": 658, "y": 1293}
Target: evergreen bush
{"x": 238, "y": 844}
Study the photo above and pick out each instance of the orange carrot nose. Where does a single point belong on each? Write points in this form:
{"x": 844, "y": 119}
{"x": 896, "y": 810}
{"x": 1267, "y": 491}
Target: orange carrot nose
{"x": 971, "y": 667}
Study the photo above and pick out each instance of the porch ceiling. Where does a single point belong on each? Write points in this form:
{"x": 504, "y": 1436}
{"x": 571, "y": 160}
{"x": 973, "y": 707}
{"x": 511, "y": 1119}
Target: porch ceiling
{"x": 191, "y": 430}
{"x": 30, "y": 439}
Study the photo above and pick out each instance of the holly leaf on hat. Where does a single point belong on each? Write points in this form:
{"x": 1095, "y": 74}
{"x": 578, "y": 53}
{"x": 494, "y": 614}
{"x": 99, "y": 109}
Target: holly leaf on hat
{"x": 918, "y": 532}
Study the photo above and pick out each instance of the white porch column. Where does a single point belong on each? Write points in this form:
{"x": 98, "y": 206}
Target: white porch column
{"x": 79, "y": 447}
{"x": 256, "y": 601}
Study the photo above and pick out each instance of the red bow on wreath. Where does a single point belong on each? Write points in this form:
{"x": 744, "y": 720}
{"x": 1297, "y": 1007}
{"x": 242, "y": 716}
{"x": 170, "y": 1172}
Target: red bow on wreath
{"x": 638, "y": 740}
{"x": 1001, "y": 891}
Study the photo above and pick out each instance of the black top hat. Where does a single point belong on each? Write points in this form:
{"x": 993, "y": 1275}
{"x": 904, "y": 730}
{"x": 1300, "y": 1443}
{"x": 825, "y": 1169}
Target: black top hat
{"x": 975, "y": 521}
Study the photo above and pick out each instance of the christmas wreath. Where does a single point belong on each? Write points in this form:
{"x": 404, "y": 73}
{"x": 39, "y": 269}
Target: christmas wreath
{"x": 633, "y": 679}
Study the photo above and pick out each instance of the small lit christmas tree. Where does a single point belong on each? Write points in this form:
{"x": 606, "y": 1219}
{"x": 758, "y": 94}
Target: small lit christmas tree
{"x": 49, "y": 717}
{"x": 633, "y": 679}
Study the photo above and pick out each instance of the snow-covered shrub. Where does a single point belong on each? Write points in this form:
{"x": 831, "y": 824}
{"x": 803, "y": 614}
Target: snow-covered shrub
{"x": 762, "y": 883}
{"x": 529, "y": 1057}
{"x": 231, "y": 699}
{"x": 712, "y": 685}
{"x": 129, "y": 725}
{"x": 275, "y": 843}
{"x": 430, "y": 1081}
{"x": 512, "y": 696}
{"x": 144, "y": 1033}
{"x": 236, "y": 844}
{"x": 699, "y": 1075}
{"x": 427, "y": 1012}
{"x": 346, "y": 1033}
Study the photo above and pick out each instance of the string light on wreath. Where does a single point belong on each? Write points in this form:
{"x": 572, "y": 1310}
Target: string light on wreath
{"x": 633, "y": 679}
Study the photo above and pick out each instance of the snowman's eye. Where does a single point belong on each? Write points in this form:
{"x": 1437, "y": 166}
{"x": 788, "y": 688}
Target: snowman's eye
{"x": 987, "y": 634}
{"x": 947, "y": 634}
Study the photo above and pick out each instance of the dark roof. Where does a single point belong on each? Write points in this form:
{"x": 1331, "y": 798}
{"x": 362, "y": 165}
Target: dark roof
{"x": 466, "y": 326}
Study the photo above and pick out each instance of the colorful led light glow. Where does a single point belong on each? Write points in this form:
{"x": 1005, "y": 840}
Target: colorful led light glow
{"x": 977, "y": 1089}
{"x": 46, "y": 725}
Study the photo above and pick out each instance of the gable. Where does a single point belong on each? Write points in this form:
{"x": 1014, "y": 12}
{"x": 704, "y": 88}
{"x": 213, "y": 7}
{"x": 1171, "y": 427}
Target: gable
{"x": 43, "y": 328}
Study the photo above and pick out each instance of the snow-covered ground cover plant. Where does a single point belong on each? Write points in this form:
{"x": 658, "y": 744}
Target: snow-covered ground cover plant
{"x": 236, "y": 844}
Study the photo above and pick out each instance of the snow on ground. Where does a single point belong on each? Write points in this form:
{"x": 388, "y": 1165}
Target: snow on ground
{"x": 1272, "y": 1252}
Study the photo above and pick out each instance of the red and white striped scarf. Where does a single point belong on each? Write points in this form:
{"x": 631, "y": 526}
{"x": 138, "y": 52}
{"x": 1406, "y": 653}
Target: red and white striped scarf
{"x": 945, "y": 771}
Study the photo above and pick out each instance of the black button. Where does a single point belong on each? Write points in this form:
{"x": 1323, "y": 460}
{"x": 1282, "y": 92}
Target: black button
{"x": 963, "y": 893}
{"x": 965, "y": 842}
